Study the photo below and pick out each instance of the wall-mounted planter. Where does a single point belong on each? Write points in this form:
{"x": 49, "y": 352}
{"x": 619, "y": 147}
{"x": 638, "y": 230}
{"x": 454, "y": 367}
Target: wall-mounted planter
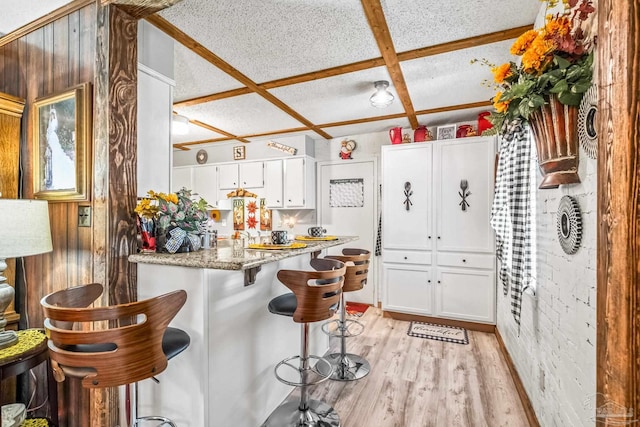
{"x": 554, "y": 127}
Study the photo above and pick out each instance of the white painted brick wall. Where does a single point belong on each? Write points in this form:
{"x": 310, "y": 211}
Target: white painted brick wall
{"x": 557, "y": 334}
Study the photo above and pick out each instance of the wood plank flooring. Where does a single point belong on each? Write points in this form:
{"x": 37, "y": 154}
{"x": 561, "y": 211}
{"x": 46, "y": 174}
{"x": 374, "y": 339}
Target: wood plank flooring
{"x": 416, "y": 382}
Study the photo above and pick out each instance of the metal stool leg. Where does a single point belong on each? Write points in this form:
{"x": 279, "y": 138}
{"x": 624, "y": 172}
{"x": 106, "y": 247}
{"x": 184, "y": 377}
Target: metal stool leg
{"x": 346, "y": 366}
{"x": 305, "y": 412}
{"x": 133, "y": 420}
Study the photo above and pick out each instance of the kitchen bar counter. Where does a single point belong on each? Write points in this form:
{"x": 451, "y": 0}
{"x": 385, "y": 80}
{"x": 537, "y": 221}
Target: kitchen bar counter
{"x": 225, "y": 257}
{"x": 225, "y": 378}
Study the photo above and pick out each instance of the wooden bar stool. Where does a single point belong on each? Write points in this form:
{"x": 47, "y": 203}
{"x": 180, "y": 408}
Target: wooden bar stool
{"x": 115, "y": 345}
{"x": 348, "y": 366}
{"x": 315, "y": 297}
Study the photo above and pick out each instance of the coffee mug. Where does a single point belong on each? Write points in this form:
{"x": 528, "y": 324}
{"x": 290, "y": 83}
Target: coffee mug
{"x": 279, "y": 237}
{"x": 316, "y": 231}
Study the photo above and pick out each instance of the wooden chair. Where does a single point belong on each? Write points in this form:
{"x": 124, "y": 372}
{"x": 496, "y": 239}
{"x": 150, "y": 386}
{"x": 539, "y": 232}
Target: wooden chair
{"x": 114, "y": 345}
{"x": 348, "y": 366}
{"x": 315, "y": 297}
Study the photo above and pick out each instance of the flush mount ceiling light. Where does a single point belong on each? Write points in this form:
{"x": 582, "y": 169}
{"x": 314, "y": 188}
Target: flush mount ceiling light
{"x": 179, "y": 125}
{"x": 382, "y": 98}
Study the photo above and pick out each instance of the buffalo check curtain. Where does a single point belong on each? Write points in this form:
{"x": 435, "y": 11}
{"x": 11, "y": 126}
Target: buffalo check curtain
{"x": 511, "y": 213}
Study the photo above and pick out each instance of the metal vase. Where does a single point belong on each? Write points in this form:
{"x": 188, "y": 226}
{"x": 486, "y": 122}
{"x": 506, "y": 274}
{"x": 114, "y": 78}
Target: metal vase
{"x": 555, "y": 130}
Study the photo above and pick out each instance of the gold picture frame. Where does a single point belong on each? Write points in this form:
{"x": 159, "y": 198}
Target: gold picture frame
{"x": 239, "y": 152}
{"x": 62, "y": 145}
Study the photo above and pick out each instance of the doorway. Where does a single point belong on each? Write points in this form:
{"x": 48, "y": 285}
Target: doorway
{"x": 348, "y": 206}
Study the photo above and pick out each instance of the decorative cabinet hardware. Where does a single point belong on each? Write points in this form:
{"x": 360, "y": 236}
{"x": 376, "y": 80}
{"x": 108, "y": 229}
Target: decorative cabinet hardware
{"x": 464, "y": 185}
{"x": 407, "y": 194}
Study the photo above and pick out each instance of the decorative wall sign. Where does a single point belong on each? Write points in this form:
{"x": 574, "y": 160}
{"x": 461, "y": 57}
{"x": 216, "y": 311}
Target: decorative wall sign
{"x": 282, "y": 147}
{"x": 346, "y": 193}
{"x": 201, "y": 157}
{"x": 587, "y": 122}
{"x": 239, "y": 152}
{"x": 569, "y": 225}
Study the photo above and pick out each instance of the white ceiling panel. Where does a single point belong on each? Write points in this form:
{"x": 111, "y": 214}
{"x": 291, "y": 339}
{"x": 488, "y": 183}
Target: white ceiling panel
{"x": 198, "y": 77}
{"x": 418, "y": 23}
{"x": 196, "y": 133}
{"x": 267, "y": 40}
{"x": 450, "y": 78}
{"x": 17, "y": 13}
{"x": 241, "y": 115}
{"x": 339, "y": 98}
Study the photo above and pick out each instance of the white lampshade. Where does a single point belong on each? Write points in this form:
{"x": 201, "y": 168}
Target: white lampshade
{"x": 382, "y": 97}
{"x": 24, "y": 228}
{"x": 179, "y": 125}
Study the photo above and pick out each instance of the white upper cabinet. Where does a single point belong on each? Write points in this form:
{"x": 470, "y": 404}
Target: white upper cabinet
{"x": 273, "y": 181}
{"x": 407, "y": 202}
{"x": 299, "y": 183}
{"x": 205, "y": 183}
{"x": 241, "y": 175}
{"x": 182, "y": 178}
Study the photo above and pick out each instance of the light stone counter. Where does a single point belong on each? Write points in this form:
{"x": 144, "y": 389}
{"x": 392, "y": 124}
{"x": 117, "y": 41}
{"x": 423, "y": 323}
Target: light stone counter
{"x": 226, "y": 257}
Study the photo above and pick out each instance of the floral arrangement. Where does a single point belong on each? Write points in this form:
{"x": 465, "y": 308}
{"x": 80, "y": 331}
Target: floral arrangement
{"x": 177, "y": 209}
{"x": 555, "y": 60}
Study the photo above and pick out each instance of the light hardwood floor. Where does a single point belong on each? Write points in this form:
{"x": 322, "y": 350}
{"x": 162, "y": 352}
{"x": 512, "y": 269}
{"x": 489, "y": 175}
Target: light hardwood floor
{"x": 416, "y": 382}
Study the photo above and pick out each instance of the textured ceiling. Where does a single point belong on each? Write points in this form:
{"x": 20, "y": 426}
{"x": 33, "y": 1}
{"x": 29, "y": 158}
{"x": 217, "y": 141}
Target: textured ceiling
{"x": 275, "y": 39}
{"x": 246, "y": 47}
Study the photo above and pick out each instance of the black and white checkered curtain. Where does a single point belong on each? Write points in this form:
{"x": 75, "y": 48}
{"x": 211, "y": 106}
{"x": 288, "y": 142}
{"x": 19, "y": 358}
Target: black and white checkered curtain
{"x": 511, "y": 213}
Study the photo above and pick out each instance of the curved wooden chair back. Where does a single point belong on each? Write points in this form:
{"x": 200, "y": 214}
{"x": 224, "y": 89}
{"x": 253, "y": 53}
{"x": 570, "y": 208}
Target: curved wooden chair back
{"x": 357, "y": 262}
{"x": 317, "y": 292}
{"x": 76, "y": 297}
{"x": 117, "y": 345}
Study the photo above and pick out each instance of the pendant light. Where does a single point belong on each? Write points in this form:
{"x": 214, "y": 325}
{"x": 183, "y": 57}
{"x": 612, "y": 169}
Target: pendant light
{"x": 382, "y": 97}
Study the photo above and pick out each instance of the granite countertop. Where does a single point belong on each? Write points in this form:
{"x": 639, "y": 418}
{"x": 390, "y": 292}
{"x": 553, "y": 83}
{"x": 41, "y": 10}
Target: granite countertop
{"x": 225, "y": 257}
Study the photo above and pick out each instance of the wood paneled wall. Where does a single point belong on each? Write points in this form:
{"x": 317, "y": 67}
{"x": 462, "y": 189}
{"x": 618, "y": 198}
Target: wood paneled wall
{"x": 43, "y": 62}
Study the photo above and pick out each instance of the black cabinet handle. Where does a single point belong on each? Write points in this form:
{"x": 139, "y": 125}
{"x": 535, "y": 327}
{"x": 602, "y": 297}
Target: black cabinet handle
{"x": 429, "y": 237}
{"x": 405, "y": 257}
{"x": 438, "y": 281}
{"x": 438, "y": 237}
{"x": 464, "y": 260}
{"x": 428, "y": 281}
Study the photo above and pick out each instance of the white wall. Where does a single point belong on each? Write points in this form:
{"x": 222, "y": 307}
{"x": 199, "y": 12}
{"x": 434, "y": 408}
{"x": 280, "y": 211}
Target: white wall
{"x": 555, "y": 353}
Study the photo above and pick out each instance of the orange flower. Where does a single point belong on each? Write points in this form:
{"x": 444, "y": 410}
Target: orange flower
{"x": 502, "y": 72}
{"x": 560, "y": 26}
{"x": 538, "y": 56}
{"x": 523, "y": 42}
{"x": 500, "y": 106}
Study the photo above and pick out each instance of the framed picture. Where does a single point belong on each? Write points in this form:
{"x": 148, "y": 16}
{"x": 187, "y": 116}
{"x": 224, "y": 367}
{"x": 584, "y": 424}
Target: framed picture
{"x": 239, "y": 152}
{"x": 61, "y": 145}
{"x": 447, "y": 132}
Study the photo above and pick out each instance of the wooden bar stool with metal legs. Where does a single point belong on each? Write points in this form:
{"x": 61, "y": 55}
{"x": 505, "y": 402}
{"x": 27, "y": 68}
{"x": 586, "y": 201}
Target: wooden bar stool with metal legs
{"x": 348, "y": 366}
{"x": 115, "y": 345}
{"x": 315, "y": 297}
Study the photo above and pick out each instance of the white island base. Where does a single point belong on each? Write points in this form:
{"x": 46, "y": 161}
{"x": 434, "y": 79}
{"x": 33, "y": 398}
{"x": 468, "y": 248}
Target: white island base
{"x": 225, "y": 378}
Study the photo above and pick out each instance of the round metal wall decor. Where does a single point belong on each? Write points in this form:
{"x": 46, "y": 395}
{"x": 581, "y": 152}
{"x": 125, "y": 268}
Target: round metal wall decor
{"x": 569, "y": 225}
{"x": 587, "y": 122}
{"x": 201, "y": 156}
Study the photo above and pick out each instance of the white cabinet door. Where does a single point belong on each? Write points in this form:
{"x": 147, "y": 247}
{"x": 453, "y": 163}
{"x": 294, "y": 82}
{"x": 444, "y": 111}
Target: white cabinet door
{"x": 205, "y": 183}
{"x": 273, "y": 183}
{"x": 294, "y": 183}
{"x": 466, "y": 294}
{"x": 408, "y": 288}
{"x": 407, "y": 197}
{"x": 469, "y": 160}
{"x": 182, "y": 178}
{"x": 228, "y": 176}
{"x": 251, "y": 174}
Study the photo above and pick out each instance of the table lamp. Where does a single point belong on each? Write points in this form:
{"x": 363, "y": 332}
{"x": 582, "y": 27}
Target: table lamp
{"x": 24, "y": 231}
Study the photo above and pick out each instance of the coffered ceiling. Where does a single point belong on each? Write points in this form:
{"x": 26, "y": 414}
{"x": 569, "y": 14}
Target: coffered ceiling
{"x": 256, "y": 70}
{"x": 247, "y": 70}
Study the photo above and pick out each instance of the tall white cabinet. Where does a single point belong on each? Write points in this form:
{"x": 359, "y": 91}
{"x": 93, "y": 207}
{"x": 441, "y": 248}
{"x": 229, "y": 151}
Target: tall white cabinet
{"x": 438, "y": 258}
